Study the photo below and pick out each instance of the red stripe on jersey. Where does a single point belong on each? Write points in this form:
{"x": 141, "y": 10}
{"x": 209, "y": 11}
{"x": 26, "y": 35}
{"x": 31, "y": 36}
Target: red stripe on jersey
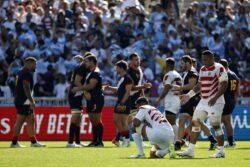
{"x": 165, "y": 78}
{"x": 208, "y": 85}
{"x": 212, "y": 68}
{"x": 152, "y": 117}
{"x": 157, "y": 118}
{"x": 215, "y": 91}
{"x": 207, "y": 78}
{"x": 210, "y": 90}
{"x": 149, "y": 112}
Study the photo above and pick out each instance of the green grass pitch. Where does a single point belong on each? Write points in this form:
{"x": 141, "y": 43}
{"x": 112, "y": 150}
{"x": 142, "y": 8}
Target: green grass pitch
{"x": 55, "y": 154}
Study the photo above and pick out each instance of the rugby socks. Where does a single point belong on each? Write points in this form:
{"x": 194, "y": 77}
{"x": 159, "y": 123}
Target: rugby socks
{"x": 125, "y": 134}
{"x": 230, "y": 140}
{"x": 33, "y": 140}
{"x": 185, "y": 135}
{"x": 14, "y": 140}
{"x": 77, "y": 135}
{"x": 99, "y": 132}
{"x": 212, "y": 139}
{"x": 72, "y": 130}
{"x": 118, "y": 136}
{"x": 221, "y": 149}
{"x": 138, "y": 141}
{"x": 175, "y": 127}
{"x": 191, "y": 147}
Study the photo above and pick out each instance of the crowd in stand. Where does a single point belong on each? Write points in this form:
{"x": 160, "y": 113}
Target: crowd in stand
{"x": 54, "y": 31}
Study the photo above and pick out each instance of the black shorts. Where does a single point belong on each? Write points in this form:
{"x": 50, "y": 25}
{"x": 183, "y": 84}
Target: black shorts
{"x": 228, "y": 108}
{"x": 133, "y": 99}
{"x": 127, "y": 109}
{"x": 190, "y": 106}
{"x": 23, "y": 109}
{"x": 95, "y": 105}
{"x": 75, "y": 102}
{"x": 169, "y": 113}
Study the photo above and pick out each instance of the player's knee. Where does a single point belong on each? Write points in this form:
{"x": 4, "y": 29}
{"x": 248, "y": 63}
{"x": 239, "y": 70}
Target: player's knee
{"x": 196, "y": 123}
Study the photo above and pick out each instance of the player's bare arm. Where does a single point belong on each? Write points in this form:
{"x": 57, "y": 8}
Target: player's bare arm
{"x": 189, "y": 86}
{"x": 27, "y": 91}
{"x": 185, "y": 98}
{"x": 163, "y": 94}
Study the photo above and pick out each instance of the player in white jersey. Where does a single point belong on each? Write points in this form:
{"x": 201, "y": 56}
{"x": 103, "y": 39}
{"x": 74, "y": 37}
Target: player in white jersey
{"x": 152, "y": 124}
{"x": 212, "y": 85}
{"x": 171, "y": 98}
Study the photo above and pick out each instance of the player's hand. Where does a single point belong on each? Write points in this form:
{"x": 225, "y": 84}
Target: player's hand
{"x": 176, "y": 88}
{"x": 87, "y": 95}
{"x": 157, "y": 102}
{"x": 184, "y": 99}
{"x": 105, "y": 87}
{"x": 75, "y": 89}
{"x": 147, "y": 85}
{"x": 121, "y": 108}
{"x": 212, "y": 101}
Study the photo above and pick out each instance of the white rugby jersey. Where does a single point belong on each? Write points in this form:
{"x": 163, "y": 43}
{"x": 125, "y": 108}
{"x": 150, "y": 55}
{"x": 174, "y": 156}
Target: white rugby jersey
{"x": 210, "y": 79}
{"x": 152, "y": 116}
{"x": 172, "y": 78}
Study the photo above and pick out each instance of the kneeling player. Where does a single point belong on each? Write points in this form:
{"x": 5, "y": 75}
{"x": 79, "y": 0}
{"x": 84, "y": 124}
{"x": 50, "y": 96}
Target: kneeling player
{"x": 158, "y": 131}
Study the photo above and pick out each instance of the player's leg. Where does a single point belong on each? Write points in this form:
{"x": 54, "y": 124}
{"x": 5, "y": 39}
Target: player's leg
{"x": 211, "y": 138}
{"x": 20, "y": 119}
{"x": 198, "y": 117}
{"x": 124, "y": 130}
{"x": 97, "y": 126}
{"x": 226, "y": 119}
{"x": 215, "y": 120}
{"x": 136, "y": 134}
{"x": 171, "y": 117}
{"x": 183, "y": 118}
{"x": 31, "y": 131}
{"x": 78, "y": 120}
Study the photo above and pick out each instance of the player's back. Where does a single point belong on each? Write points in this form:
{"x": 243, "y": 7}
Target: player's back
{"x": 153, "y": 116}
{"x": 233, "y": 82}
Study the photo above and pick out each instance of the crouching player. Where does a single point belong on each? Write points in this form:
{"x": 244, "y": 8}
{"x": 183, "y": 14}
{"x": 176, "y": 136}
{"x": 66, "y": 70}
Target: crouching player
{"x": 151, "y": 124}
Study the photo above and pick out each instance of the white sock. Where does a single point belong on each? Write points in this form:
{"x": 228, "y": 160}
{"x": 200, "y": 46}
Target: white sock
{"x": 221, "y": 149}
{"x": 191, "y": 146}
{"x": 175, "y": 127}
{"x": 138, "y": 141}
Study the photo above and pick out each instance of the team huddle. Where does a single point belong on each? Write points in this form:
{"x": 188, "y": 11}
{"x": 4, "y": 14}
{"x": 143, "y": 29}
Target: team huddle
{"x": 195, "y": 96}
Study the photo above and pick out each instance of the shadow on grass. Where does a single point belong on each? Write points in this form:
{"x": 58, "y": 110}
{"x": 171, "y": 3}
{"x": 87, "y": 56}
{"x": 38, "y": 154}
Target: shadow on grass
{"x": 172, "y": 159}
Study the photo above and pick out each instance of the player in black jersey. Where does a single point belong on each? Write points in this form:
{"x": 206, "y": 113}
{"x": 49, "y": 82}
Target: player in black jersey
{"x": 136, "y": 74}
{"x": 123, "y": 105}
{"x": 190, "y": 78}
{"x": 231, "y": 94}
{"x": 75, "y": 101}
{"x": 24, "y": 103}
{"x": 95, "y": 99}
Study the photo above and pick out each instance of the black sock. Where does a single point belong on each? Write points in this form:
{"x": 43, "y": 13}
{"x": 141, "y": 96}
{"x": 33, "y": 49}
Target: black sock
{"x": 77, "y": 135}
{"x": 118, "y": 136}
{"x": 94, "y": 134}
{"x": 72, "y": 130}
{"x": 230, "y": 140}
{"x": 99, "y": 132}
{"x": 212, "y": 139}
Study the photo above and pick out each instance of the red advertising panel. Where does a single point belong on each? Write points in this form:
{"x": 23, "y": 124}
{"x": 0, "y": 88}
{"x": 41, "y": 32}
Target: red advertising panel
{"x": 52, "y": 123}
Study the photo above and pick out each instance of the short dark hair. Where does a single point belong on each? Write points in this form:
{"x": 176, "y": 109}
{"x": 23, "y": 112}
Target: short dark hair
{"x": 92, "y": 58}
{"x": 132, "y": 55}
{"x": 187, "y": 59}
{"x": 224, "y": 62}
{"x": 170, "y": 61}
{"x": 208, "y": 53}
{"x": 122, "y": 64}
{"x": 142, "y": 100}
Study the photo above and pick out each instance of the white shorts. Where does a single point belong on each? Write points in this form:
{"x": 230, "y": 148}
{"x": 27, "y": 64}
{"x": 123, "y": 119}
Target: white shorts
{"x": 161, "y": 137}
{"x": 172, "y": 105}
{"x": 203, "y": 110}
